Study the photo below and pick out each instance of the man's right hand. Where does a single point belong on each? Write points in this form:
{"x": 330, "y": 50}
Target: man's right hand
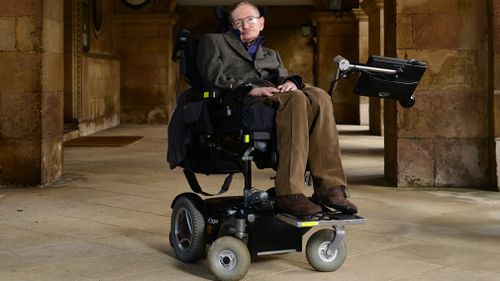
{"x": 263, "y": 91}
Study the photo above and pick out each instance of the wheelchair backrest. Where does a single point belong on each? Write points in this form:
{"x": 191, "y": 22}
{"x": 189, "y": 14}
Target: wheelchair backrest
{"x": 185, "y": 51}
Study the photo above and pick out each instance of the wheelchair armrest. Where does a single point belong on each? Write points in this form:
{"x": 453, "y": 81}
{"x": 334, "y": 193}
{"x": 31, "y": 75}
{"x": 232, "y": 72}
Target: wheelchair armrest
{"x": 260, "y": 136}
{"x": 214, "y": 97}
{"x": 222, "y": 97}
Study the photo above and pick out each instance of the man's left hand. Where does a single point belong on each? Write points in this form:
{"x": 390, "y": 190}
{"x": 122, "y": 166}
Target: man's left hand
{"x": 287, "y": 86}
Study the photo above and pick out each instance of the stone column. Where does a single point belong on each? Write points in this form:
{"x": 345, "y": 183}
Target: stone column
{"x": 31, "y": 91}
{"x": 375, "y": 11}
{"x": 362, "y": 18}
{"x": 495, "y": 16}
{"x": 495, "y": 32}
{"x": 444, "y": 140}
{"x": 337, "y": 36}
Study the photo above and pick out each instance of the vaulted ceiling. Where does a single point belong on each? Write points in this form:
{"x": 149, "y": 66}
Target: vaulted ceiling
{"x": 320, "y": 4}
{"x": 261, "y": 2}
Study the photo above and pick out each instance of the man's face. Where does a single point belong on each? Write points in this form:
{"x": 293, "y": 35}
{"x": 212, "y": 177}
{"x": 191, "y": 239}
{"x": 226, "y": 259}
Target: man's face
{"x": 247, "y": 20}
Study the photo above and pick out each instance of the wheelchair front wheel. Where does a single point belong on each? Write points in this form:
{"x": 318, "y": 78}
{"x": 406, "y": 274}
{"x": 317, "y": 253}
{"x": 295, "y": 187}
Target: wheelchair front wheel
{"x": 187, "y": 231}
{"x": 228, "y": 258}
{"x": 318, "y": 254}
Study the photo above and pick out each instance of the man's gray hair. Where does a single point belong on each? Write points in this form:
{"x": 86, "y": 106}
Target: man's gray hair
{"x": 237, "y": 4}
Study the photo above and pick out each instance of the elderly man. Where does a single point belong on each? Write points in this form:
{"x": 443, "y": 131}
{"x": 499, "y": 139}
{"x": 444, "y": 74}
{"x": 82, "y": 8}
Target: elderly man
{"x": 305, "y": 125}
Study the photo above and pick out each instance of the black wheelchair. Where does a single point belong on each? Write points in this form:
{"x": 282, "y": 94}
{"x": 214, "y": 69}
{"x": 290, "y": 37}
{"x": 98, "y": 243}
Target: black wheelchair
{"x": 221, "y": 136}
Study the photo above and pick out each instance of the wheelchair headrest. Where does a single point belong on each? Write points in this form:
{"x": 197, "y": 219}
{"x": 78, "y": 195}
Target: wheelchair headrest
{"x": 263, "y": 11}
{"x": 222, "y": 16}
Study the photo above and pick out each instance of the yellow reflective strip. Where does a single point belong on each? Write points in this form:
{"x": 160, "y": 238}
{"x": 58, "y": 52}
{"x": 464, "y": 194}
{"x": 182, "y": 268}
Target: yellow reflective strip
{"x": 308, "y": 223}
{"x": 246, "y": 138}
{"x": 206, "y": 95}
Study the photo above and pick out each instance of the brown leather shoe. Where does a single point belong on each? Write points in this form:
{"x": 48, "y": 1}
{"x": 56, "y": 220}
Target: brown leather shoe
{"x": 297, "y": 205}
{"x": 335, "y": 198}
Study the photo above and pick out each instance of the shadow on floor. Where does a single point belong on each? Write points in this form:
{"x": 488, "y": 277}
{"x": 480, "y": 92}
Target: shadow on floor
{"x": 369, "y": 180}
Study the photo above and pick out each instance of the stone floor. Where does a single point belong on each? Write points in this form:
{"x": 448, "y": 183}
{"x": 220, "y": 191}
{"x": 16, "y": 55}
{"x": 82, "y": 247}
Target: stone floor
{"x": 108, "y": 219}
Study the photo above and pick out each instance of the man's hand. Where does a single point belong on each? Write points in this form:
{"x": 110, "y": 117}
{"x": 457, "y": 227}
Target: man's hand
{"x": 263, "y": 91}
{"x": 269, "y": 91}
{"x": 287, "y": 86}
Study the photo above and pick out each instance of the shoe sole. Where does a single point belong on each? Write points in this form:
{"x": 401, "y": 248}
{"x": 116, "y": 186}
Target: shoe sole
{"x": 343, "y": 209}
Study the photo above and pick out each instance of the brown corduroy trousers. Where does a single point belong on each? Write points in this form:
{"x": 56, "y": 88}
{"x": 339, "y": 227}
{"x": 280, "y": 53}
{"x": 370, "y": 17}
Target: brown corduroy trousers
{"x": 306, "y": 134}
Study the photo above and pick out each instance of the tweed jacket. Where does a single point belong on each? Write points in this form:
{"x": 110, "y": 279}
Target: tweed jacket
{"x": 224, "y": 63}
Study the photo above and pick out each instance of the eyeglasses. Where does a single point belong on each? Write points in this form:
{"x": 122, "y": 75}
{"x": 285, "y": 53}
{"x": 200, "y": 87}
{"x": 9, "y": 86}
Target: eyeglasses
{"x": 247, "y": 20}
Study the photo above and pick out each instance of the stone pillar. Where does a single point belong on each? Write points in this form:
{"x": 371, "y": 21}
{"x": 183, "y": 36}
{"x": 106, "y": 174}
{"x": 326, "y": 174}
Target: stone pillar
{"x": 337, "y": 36}
{"x": 496, "y": 62}
{"x": 375, "y": 11}
{"x": 444, "y": 140}
{"x": 362, "y": 18}
{"x": 31, "y": 91}
{"x": 495, "y": 32}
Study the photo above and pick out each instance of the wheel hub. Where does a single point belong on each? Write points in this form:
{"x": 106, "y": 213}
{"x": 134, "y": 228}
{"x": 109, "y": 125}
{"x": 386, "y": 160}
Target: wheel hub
{"x": 226, "y": 260}
{"x": 183, "y": 229}
{"x": 325, "y": 254}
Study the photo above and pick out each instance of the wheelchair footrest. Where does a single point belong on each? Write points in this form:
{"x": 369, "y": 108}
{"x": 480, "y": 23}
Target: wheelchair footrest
{"x": 321, "y": 219}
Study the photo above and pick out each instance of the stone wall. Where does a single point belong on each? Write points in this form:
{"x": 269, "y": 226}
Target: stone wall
{"x": 31, "y": 91}
{"x": 338, "y": 36}
{"x": 444, "y": 139}
{"x": 100, "y": 77}
{"x": 144, "y": 44}
{"x": 101, "y": 94}
{"x": 283, "y": 33}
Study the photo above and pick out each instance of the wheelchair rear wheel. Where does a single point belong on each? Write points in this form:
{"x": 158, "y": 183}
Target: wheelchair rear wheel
{"x": 187, "y": 231}
{"x": 228, "y": 258}
{"x": 318, "y": 254}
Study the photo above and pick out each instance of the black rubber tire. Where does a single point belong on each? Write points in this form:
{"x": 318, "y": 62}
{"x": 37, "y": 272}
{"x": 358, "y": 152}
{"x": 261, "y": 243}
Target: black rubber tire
{"x": 316, "y": 251}
{"x": 228, "y": 258}
{"x": 187, "y": 231}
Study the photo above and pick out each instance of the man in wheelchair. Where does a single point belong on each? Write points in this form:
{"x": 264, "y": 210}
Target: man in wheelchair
{"x": 305, "y": 125}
